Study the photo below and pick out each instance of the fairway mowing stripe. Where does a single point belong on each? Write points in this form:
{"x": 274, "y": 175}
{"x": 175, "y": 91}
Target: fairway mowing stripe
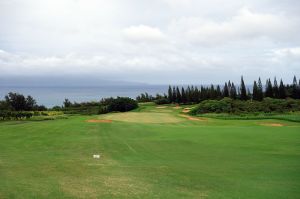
{"x": 130, "y": 147}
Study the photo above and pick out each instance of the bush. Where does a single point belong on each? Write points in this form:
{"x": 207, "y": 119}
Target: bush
{"x": 227, "y": 105}
{"x": 15, "y": 115}
{"x": 120, "y": 104}
{"x": 162, "y": 101}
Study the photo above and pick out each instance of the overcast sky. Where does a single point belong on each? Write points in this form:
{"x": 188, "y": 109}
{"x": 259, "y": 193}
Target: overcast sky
{"x": 152, "y": 41}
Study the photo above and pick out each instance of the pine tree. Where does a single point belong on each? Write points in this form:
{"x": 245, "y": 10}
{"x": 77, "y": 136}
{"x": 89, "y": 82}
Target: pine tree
{"x": 174, "y": 95}
{"x": 233, "y": 93}
{"x": 188, "y": 94}
{"x": 178, "y": 96}
{"x": 218, "y": 92}
{"x": 203, "y": 93}
{"x": 275, "y": 89}
{"x": 229, "y": 85}
{"x": 183, "y": 95}
{"x": 192, "y": 94}
{"x": 269, "y": 89}
{"x": 243, "y": 90}
{"x": 298, "y": 90}
{"x": 226, "y": 90}
{"x": 249, "y": 95}
{"x": 170, "y": 94}
{"x": 197, "y": 95}
{"x": 295, "y": 88}
{"x": 260, "y": 94}
{"x": 212, "y": 94}
{"x": 282, "y": 90}
{"x": 255, "y": 92}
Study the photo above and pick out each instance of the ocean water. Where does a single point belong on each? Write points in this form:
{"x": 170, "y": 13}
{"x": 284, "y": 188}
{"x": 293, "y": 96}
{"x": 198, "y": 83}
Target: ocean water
{"x": 52, "y": 96}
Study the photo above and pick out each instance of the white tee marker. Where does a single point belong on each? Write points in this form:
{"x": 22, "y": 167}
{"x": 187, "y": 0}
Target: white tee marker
{"x": 96, "y": 156}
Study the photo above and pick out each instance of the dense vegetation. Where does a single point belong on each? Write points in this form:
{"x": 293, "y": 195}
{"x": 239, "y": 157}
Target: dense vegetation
{"x": 119, "y": 104}
{"x": 228, "y": 105}
{"x": 84, "y": 108}
{"x": 16, "y": 106}
{"x": 106, "y": 105}
{"x": 194, "y": 94}
{"x": 211, "y": 98}
{"x": 18, "y": 102}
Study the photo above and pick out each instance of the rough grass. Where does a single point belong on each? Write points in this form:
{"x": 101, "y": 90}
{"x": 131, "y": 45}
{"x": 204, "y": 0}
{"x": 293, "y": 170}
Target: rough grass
{"x": 292, "y": 117}
{"x": 185, "y": 159}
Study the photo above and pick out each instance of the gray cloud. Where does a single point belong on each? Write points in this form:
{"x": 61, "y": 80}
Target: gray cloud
{"x": 159, "y": 41}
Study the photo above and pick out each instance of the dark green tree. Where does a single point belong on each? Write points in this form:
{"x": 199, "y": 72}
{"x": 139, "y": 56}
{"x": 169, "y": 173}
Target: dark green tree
{"x": 218, "y": 93}
{"x": 295, "y": 88}
{"x": 183, "y": 95}
{"x": 275, "y": 89}
{"x": 178, "y": 96}
{"x": 243, "y": 90}
{"x": 16, "y": 101}
{"x": 30, "y": 103}
{"x": 260, "y": 93}
{"x": 67, "y": 103}
{"x": 174, "y": 95}
{"x": 226, "y": 90}
{"x": 233, "y": 93}
{"x": 282, "y": 90}
{"x": 255, "y": 92}
{"x": 269, "y": 89}
{"x": 170, "y": 94}
{"x": 188, "y": 94}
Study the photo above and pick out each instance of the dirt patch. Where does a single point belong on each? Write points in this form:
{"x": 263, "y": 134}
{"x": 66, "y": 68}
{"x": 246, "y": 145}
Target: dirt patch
{"x": 161, "y": 107}
{"x": 177, "y": 107}
{"x": 99, "y": 121}
{"x": 194, "y": 118}
{"x": 272, "y": 124}
{"x": 186, "y": 110}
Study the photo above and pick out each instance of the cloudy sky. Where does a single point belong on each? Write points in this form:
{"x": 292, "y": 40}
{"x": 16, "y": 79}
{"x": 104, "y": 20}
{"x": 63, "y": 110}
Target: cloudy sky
{"x": 152, "y": 41}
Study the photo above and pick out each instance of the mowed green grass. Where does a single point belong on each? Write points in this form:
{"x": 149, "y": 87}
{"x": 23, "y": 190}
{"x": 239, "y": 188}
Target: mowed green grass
{"x": 152, "y": 153}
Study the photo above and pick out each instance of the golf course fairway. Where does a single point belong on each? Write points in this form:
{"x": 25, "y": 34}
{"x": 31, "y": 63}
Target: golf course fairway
{"x": 153, "y": 152}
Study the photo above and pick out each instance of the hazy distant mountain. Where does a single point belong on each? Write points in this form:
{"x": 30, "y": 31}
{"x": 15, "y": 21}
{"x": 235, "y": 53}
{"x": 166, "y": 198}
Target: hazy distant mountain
{"x": 64, "y": 81}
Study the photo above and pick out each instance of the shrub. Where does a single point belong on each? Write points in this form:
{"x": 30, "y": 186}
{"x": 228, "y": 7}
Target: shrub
{"x": 162, "y": 101}
{"x": 120, "y": 104}
{"x": 15, "y": 115}
{"x": 226, "y": 105}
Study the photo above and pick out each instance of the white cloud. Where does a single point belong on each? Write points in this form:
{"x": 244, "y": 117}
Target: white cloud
{"x": 243, "y": 26}
{"x": 286, "y": 58}
{"x": 287, "y": 52}
{"x": 143, "y": 33}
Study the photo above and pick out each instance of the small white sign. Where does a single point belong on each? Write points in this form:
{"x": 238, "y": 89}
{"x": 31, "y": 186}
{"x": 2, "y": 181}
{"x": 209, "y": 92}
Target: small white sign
{"x": 96, "y": 156}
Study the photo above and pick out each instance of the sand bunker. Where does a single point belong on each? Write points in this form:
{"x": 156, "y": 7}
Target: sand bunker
{"x": 99, "y": 121}
{"x": 161, "y": 107}
{"x": 272, "y": 124}
{"x": 194, "y": 118}
{"x": 186, "y": 110}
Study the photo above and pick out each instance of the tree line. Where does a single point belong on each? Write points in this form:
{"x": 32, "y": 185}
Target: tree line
{"x": 105, "y": 105}
{"x": 18, "y": 102}
{"x": 194, "y": 94}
